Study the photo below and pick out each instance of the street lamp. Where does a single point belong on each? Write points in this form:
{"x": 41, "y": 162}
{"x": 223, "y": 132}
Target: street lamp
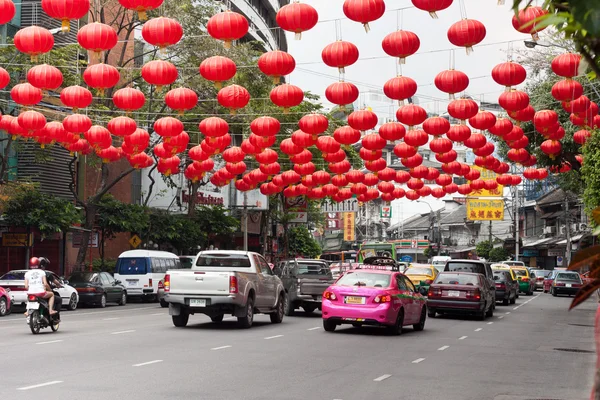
{"x": 531, "y": 44}
{"x": 439, "y": 236}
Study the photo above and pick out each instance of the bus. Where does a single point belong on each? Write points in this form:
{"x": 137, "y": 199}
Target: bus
{"x": 393, "y": 249}
{"x": 338, "y": 256}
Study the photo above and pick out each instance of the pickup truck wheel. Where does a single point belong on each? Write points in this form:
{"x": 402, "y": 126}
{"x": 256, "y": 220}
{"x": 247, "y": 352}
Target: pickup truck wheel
{"x": 277, "y": 316}
{"x": 309, "y": 309}
{"x": 181, "y": 320}
{"x": 245, "y": 322}
{"x": 217, "y": 318}
{"x": 328, "y": 325}
{"x": 288, "y": 307}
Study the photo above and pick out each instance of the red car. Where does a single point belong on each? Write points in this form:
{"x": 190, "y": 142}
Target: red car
{"x": 461, "y": 292}
{"x": 4, "y": 302}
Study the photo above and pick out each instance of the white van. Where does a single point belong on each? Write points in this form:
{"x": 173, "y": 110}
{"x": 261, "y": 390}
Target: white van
{"x": 140, "y": 271}
{"x": 439, "y": 262}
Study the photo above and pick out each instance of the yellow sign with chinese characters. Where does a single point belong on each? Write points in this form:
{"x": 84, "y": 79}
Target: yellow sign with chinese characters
{"x": 349, "y": 227}
{"x": 487, "y": 175}
{"x": 485, "y": 210}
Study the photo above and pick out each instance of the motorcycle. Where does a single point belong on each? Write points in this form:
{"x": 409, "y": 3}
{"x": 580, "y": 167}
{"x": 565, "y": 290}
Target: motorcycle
{"x": 38, "y": 313}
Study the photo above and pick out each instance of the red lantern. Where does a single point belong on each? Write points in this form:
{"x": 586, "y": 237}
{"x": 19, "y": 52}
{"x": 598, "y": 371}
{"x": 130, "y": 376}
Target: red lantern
{"x": 370, "y": 155}
{"x": 451, "y": 168}
{"x": 98, "y": 137}
{"x": 34, "y": 40}
{"x": 542, "y": 173}
{"x": 440, "y": 145}
{"x": 451, "y": 82}
{"x": 169, "y": 166}
{"x": 517, "y": 155}
{"x": 551, "y": 147}
{"x": 276, "y": 64}
{"x": 31, "y": 120}
{"x": 327, "y": 144}
{"x": 486, "y": 150}
{"x": 402, "y": 177}
{"x": 447, "y": 157}
{"x": 516, "y": 133}
{"x": 265, "y": 126}
{"x": 297, "y": 17}
{"x": 7, "y": 11}
{"x": 341, "y": 167}
{"x": 303, "y": 139}
{"x": 514, "y": 100}
{"x": 101, "y": 77}
{"x": 466, "y": 33}
{"x": 141, "y": 6}
{"x": 475, "y": 141}
{"x": 400, "y": 88}
{"x": 501, "y": 127}
{"x": 436, "y": 126}
{"x": 579, "y": 105}
{"x": 159, "y": 73}
{"x": 346, "y": 135}
{"x": 4, "y": 76}
{"x": 581, "y": 136}
{"x": 321, "y": 178}
{"x": 168, "y": 126}
{"x": 233, "y": 97}
{"x": 267, "y": 156}
{"x": 530, "y": 173}
{"x": 313, "y": 124}
{"x": 305, "y": 156}
{"x": 110, "y": 154}
{"x": 509, "y": 74}
{"x": 177, "y": 144}
{"x": 370, "y": 179}
{"x": 129, "y": 99}
{"x": 387, "y": 174}
{"x": 392, "y": 131}
{"x": 76, "y": 97}
{"x": 544, "y": 120}
{"x": 181, "y": 99}
{"x": 411, "y": 115}
{"x": 463, "y": 109}
{"x": 218, "y": 69}
{"x": 341, "y": 93}
{"x": 403, "y": 150}
{"x": 373, "y": 142}
{"x": 376, "y": 165}
{"x": 528, "y": 21}
{"x": 162, "y": 32}
{"x": 211, "y": 127}
{"x": 412, "y": 162}
{"x": 97, "y": 37}
{"x": 45, "y": 77}
{"x": 26, "y": 94}
{"x": 465, "y": 189}
{"x": 431, "y": 6}
{"x": 363, "y": 120}
{"x": 420, "y": 172}
{"x": 55, "y": 131}
{"x": 483, "y": 120}
{"x": 523, "y": 115}
{"x": 137, "y": 141}
{"x": 472, "y": 175}
{"x": 340, "y": 54}
{"x": 122, "y": 126}
{"x": 386, "y": 187}
{"x": 227, "y": 26}
{"x": 286, "y": 96}
{"x": 459, "y": 133}
{"x": 566, "y": 65}
{"x": 401, "y": 44}
{"x": 364, "y": 11}
{"x": 249, "y": 148}
{"x": 288, "y": 147}
{"x": 355, "y": 176}
{"x": 359, "y": 189}
{"x": 416, "y": 138}
{"x": 274, "y": 168}
{"x": 567, "y": 90}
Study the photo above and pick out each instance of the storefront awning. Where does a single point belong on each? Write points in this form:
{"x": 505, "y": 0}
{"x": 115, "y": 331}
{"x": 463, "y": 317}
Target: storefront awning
{"x": 574, "y": 239}
{"x": 537, "y": 242}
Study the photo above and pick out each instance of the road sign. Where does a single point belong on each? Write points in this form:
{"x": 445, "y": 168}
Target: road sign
{"x": 485, "y": 210}
{"x": 350, "y": 205}
{"x": 349, "y": 227}
{"x": 17, "y": 240}
{"x": 559, "y": 261}
{"x": 407, "y": 259}
{"x": 135, "y": 241}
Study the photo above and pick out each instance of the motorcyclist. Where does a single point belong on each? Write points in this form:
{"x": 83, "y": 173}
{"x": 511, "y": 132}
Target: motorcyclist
{"x": 36, "y": 283}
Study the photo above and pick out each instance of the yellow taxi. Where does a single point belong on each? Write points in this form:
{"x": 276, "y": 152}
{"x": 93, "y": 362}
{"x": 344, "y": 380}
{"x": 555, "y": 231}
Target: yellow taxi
{"x": 526, "y": 281}
{"x": 421, "y": 275}
{"x": 506, "y": 267}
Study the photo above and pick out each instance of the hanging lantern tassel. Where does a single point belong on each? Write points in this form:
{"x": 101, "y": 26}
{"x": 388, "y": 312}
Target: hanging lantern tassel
{"x": 219, "y": 85}
{"x": 14, "y": 137}
{"x": 286, "y": 110}
{"x": 276, "y": 80}
{"x": 434, "y": 15}
{"x": 34, "y": 58}
{"x": 401, "y": 103}
{"x": 500, "y": 2}
{"x": 451, "y": 96}
{"x": 298, "y": 36}
{"x": 402, "y": 60}
{"x": 535, "y": 36}
{"x": 228, "y": 44}
{"x": 469, "y": 50}
{"x": 142, "y": 16}
{"x": 65, "y": 26}
{"x": 342, "y": 70}
{"x": 367, "y": 27}
{"x": 162, "y": 50}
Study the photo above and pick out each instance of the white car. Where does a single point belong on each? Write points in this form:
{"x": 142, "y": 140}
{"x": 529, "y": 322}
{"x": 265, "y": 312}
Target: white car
{"x": 15, "y": 281}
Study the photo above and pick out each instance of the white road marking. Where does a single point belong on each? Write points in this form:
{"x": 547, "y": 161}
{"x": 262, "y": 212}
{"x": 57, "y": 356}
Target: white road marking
{"x": 314, "y": 329}
{"x": 50, "y": 341}
{"x": 273, "y": 337}
{"x": 500, "y": 317}
{"x": 230, "y": 318}
{"x": 109, "y": 319}
{"x": 418, "y": 360}
{"x": 508, "y": 312}
{"x": 147, "y": 363}
{"x": 462, "y": 337}
{"x": 160, "y": 313}
{"x": 478, "y": 329}
{"x": 443, "y": 348}
{"x": 121, "y": 332}
{"x": 40, "y": 385}
{"x": 220, "y": 348}
{"x": 489, "y": 323}
{"x": 381, "y": 378}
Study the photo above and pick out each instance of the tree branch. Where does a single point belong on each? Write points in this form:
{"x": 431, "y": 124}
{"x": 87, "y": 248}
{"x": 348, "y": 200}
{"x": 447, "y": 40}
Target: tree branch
{"x": 151, "y": 187}
{"x": 109, "y": 186}
{"x": 72, "y": 184}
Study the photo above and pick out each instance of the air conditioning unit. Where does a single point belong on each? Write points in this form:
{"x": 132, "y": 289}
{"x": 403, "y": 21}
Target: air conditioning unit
{"x": 582, "y": 227}
{"x": 549, "y": 230}
{"x": 563, "y": 230}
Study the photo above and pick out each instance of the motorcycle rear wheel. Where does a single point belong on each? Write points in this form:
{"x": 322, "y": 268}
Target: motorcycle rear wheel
{"x": 54, "y": 326}
{"x": 34, "y": 322}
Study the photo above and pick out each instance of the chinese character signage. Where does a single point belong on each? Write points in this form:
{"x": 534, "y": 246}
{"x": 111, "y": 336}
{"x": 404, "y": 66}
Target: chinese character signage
{"x": 349, "y": 227}
{"x": 487, "y": 175}
{"x": 485, "y": 210}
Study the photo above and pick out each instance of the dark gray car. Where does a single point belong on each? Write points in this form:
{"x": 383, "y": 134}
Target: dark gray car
{"x": 474, "y": 266}
{"x": 304, "y": 282}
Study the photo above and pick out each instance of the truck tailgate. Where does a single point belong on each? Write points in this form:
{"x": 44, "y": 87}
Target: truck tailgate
{"x": 199, "y": 283}
{"x": 314, "y": 286}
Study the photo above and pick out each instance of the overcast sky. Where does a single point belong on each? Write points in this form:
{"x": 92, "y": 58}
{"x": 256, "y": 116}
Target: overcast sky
{"x": 375, "y": 67}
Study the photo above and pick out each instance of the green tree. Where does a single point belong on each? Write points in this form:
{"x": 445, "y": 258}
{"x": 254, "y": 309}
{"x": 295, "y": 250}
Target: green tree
{"x": 483, "y": 249}
{"x": 498, "y": 254}
{"x": 302, "y": 243}
{"x": 29, "y": 208}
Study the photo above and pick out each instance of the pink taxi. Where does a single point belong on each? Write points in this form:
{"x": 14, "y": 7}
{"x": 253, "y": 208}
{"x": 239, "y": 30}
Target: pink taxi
{"x": 374, "y": 297}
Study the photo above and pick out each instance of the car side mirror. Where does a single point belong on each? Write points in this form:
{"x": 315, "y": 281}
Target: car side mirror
{"x": 423, "y": 291}
{"x": 117, "y": 282}
{"x": 65, "y": 282}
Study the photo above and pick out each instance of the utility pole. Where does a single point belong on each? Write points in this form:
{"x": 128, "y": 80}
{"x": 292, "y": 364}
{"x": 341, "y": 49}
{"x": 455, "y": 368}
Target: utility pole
{"x": 245, "y": 216}
{"x": 490, "y": 232}
{"x": 568, "y": 230}
{"x": 516, "y": 223}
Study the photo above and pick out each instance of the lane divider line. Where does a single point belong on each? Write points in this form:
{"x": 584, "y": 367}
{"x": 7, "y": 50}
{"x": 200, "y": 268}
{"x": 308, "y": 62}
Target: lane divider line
{"x": 50, "y": 341}
{"x": 508, "y": 312}
{"x": 418, "y": 360}
{"x": 147, "y": 363}
{"x": 273, "y": 337}
{"x": 314, "y": 329}
{"x": 478, "y": 329}
{"x": 221, "y": 347}
{"x": 462, "y": 337}
{"x": 109, "y": 319}
{"x": 500, "y": 317}
{"x": 381, "y": 378}
{"x": 40, "y": 385}
{"x": 122, "y": 332}
{"x": 443, "y": 348}
{"x": 489, "y": 323}
{"x": 159, "y": 313}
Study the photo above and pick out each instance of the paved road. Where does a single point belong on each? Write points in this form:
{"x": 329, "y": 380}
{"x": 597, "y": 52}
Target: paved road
{"x": 134, "y": 352}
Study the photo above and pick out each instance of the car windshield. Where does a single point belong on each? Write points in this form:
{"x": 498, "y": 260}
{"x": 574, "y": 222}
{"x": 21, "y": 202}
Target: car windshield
{"x": 568, "y": 277}
{"x": 223, "y": 260}
{"x": 364, "y": 279}
{"x": 541, "y": 272}
{"x": 520, "y": 272}
{"x": 13, "y": 276}
{"x": 466, "y": 267}
{"x": 305, "y": 268}
{"x": 131, "y": 266}
{"x": 81, "y": 277}
{"x": 418, "y": 271}
{"x": 457, "y": 279}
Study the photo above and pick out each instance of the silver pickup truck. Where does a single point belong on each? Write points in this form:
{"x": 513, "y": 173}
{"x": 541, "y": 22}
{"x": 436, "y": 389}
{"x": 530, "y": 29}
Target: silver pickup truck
{"x": 223, "y": 282}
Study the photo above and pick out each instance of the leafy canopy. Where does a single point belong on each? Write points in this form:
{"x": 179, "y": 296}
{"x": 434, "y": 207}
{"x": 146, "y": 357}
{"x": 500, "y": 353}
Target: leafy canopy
{"x": 302, "y": 243}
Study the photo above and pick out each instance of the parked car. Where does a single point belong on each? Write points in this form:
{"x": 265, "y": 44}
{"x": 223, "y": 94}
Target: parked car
{"x": 461, "y": 292}
{"x": 421, "y": 275}
{"x": 506, "y": 287}
{"x": 566, "y": 282}
{"x": 4, "y": 301}
{"x": 476, "y": 267}
{"x": 549, "y": 279}
{"x": 304, "y": 282}
{"x": 504, "y": 267}
{"x": 374, "y": 297}
{"x": 223, "y": 282}
{"x": 15, "y": 281}
{"x": 526, "y": 281}
{"x": 98, "y": 288}
{"x": 540, "y": 276}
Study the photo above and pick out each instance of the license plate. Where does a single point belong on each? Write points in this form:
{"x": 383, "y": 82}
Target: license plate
{"x": 198, "y": 302}
{"x": 568, "y": 285}
{"x": 132, "y": 283}
{"x": 354, "y": 319}
{"x": 319, "y": 298}
{"x": 33, "y": 306}
{"x": 453, "y": 293}
{"x": 355, "y": 300}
